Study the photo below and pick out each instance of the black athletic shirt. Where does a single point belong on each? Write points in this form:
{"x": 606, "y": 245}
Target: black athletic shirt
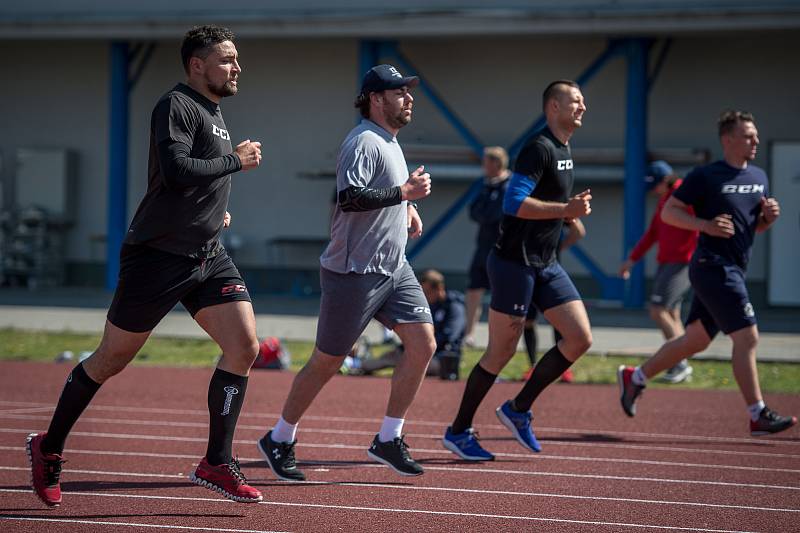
{"x": 189, "y": 180}
{"x": 718, "y": 189}
{"x": 544, "y": 171}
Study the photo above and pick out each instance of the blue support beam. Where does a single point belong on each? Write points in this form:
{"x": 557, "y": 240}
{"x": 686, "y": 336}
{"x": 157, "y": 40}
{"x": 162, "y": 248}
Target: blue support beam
{"x": 117, "y": 215}
{"x": 635, "y": 161}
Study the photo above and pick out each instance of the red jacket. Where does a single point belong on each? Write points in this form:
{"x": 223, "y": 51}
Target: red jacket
{"x": 675, "y": 245}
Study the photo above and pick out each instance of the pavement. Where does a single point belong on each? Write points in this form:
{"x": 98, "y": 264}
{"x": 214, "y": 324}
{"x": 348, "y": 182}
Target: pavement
{"x": 615, "y": 331}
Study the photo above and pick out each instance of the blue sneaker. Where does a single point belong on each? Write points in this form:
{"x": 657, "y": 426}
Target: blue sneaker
{"x": 520, "y": 426}
{"x": 466, "y": 445}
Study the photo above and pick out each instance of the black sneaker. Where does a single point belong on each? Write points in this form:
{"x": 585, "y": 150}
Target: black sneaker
{"x": 280, "y": 458}
{"x": 394, "y": 454}
{"x": 770, "y": 422}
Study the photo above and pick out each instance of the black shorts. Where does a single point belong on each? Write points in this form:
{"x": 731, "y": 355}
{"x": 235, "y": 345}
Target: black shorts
{"x": 152, "y": 281}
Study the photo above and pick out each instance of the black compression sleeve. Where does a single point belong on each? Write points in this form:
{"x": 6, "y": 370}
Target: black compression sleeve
{"x": 367, "y": 199}
{"x": 181, "y": 171}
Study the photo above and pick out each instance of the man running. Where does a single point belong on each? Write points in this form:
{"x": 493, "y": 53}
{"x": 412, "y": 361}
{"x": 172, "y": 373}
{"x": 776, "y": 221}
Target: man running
{"x": 730, "y": 203}
{"x": 675, "y": 249}
{"x": 365, "y": 274}
{"x": 172, "y": 254}
{"x": 523, "y": 269}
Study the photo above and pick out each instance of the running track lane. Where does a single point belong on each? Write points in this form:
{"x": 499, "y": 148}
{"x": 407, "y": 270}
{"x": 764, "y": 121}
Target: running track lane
{"x": 552, "y": 494}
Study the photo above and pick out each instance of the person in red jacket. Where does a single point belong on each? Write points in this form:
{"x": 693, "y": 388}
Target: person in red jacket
{"x": 675, "y": 249}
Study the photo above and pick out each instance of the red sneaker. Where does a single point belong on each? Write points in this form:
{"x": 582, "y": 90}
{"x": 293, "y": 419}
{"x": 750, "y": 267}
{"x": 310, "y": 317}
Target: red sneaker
{"x": 567, "y": 376}
{"x": 45, "y": 471}
{"x": 227, "y": 479}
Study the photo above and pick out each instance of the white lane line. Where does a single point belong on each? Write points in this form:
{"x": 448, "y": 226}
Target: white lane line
{"x": 26, "y": 410}
{"x": 370, "y": 485}
{"x": 461, "y": 469}
{"x": 442, "y": 424}
{"x": 682, "y": 464}
{"x": 399, "y": 510}
{"x": 131, "y": 524}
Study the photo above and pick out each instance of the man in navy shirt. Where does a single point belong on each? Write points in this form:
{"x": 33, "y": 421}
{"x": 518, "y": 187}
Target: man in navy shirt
{"x": 524, "y": 270}
{"x": 731, "y": 204}
{"x": 487, "y": 211}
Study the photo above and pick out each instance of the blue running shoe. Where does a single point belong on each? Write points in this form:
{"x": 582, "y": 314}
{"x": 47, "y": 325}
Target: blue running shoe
{"x": 466, "y": 445}
{"x": 520, "y": 426}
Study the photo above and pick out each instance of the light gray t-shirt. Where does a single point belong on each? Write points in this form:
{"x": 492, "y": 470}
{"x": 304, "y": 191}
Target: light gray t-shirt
{"x": 369, "y": 241}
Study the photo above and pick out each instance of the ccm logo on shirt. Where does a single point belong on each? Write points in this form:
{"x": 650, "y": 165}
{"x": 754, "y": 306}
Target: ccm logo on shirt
{"x": 566, "y": 164}
{"x": 219, "y": 132}
{"x": 742, "y": 189}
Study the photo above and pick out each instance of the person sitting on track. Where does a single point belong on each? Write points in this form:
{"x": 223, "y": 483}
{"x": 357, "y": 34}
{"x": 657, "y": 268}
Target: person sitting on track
{"x": 447, "y": 310}
{"x": 731, "y": 203}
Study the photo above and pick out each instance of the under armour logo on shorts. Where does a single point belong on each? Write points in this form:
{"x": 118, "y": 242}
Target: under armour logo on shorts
{"x": 748, "y": 310}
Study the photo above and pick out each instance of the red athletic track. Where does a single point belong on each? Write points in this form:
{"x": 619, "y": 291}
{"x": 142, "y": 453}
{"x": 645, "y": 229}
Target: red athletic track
{"x": 685, "y": 462}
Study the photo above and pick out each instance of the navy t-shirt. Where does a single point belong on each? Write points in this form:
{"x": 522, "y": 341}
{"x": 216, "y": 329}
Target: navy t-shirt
{"x": 719, "y": 189}
{"x": 545, "y": 164}
{"x": 449, "y": 322}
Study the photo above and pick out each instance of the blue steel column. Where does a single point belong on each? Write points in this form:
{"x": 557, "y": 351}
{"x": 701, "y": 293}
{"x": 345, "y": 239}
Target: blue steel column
{"x": 635, "y": 162}
{"x": 117, "y": 208}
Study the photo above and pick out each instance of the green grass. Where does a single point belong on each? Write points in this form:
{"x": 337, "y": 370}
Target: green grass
{"x": 43, "y": 346}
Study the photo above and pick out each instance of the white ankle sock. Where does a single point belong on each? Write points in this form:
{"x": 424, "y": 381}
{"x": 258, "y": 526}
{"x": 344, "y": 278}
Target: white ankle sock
{"x": 638, "y": 377}
{"x": 284, "y": 431}
{"x": 391, "y": 428}
{"x": 756, "y": 409}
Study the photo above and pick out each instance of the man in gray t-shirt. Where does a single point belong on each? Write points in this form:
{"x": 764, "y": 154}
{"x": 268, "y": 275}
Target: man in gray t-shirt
{"x": 364, "y": 273}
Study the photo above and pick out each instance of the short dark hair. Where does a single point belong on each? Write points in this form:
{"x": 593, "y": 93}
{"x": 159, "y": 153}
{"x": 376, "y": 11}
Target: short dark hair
{"x": 362, "y": 104}
{"x": 553, "y": 89}
{"x": 729, "y": 119}
{"x": 432, "y": 277}
{"x": 198, "y": 42}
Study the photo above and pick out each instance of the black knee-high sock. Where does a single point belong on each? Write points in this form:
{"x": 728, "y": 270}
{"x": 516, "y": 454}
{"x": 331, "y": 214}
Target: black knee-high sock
{"x": 225, "y": 399}
{"x": 78, "y": 392}
{"x": 530, "y": 343}
{"x": 550, "y": 367}
{"x": 478, "y": 384}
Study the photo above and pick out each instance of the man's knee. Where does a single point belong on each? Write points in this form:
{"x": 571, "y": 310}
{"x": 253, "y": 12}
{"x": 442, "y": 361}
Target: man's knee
{"x": 746, "y": 339}
{"x": 578, "y": 343}
{"x": 696, "y": 339}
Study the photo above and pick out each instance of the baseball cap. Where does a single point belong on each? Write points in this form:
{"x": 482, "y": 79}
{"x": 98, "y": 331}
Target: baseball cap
{"x": 382, "y": 77}
{"x": 657, "y": 171}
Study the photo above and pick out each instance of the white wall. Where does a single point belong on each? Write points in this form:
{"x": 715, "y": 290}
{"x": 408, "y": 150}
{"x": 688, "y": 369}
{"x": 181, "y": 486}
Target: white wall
{"x": 296, "y": 97}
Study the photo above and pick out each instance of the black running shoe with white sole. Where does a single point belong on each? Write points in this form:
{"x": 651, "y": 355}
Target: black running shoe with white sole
{"x": 280, "y": 458}
{"x": 394, "y": 454}
{"x": 770, "y": 422}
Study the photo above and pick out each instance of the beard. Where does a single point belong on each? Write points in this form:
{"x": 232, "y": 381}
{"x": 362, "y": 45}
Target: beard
{"x": 399, "y": 120}
{"x": 223, "y": 90}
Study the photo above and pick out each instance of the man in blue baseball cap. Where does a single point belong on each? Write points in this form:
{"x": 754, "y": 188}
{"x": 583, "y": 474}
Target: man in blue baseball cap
{"x": 675, "y": 249}
{"x": 364, "y": 274}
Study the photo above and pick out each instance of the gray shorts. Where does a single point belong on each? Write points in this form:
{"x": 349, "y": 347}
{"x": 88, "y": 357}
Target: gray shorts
{"x": 350, "y": 301}
{"x": 671, "y": 285}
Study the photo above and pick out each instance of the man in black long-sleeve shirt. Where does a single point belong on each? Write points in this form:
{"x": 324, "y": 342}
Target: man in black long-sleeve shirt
{"x": 172, "y": 253}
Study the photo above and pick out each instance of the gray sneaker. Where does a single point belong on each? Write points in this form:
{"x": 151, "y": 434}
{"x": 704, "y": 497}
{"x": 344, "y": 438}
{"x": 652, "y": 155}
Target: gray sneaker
{"x": 678, "y": 373}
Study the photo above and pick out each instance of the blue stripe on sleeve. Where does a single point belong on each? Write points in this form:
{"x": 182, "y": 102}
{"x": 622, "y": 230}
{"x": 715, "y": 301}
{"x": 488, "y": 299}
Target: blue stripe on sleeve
{"x": 520, "y": 187}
